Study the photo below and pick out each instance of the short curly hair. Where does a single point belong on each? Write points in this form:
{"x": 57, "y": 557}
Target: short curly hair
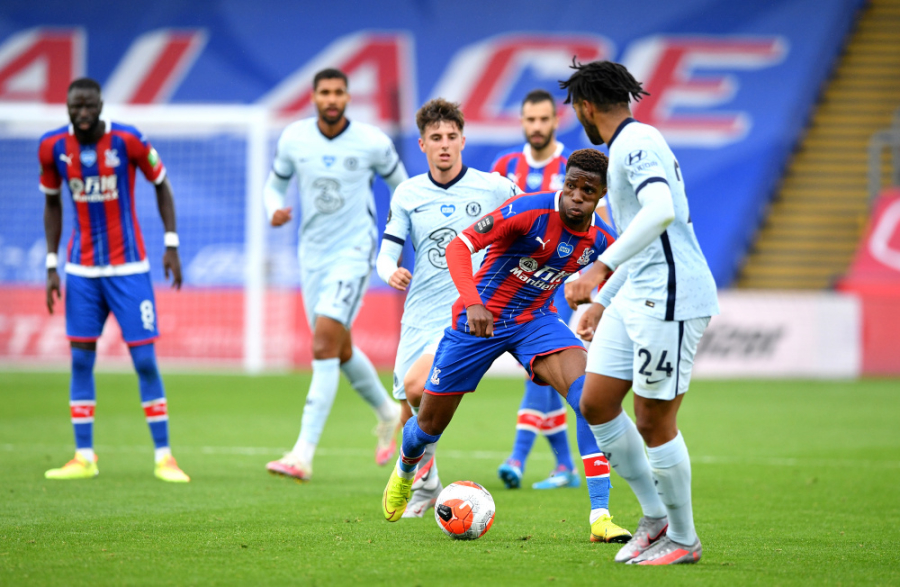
{"x": 590, "y": 160}
{"x": 437, "y": 111}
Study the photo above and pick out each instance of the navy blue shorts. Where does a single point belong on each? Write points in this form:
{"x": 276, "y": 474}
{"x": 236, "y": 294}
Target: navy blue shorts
{"x": 89, "y": 301}
{"x": 462, "y": 359}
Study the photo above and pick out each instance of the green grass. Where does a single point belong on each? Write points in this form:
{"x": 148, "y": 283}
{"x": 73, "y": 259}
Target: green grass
{"x": 794, "y": 483}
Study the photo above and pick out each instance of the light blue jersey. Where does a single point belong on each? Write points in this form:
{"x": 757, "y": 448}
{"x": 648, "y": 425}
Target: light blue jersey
{"x": 431, "y": 215}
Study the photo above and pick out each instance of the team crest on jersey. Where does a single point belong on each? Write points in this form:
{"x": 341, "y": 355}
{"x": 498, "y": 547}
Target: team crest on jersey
{"x": 111, "y": 157}
{"x": 435, "y": 376}
{"x": 88, "y": 157}
{"x": 564, "y": 249}
{"x": 533, "y": 180}
{"x": 328, "y": 160}
{"x": 473, "y": 208}
{"x": 448, "y": 210}
{"x": 528, "y": 264}
{"x": 351, "y": 163}
{"x": 585, "y": 257}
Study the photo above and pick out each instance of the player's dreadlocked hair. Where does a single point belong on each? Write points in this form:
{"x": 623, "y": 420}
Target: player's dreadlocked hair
{"x": 590, "y": 160}
{"x": 602, "y": 83}
{"x": 437, "y": 111}
{"x": 84, "y": 83}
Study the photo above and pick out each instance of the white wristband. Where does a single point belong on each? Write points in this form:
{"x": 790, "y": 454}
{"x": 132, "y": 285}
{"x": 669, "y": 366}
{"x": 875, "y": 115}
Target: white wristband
{"x": 52, "y": 261}
{"x": 171, "y": 239}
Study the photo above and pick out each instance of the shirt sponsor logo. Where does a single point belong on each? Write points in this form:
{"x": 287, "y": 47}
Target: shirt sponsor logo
{"x": 88, "y": 157}
{"x": 95, "y": 188}
{"x": 448, "y": 210}
{"x": 635, "y": 156}
{"x": 565, "y": 249}
{"x": 484, "y": 225}
{"x": 544, "y": 278}
{"x": 328, "y": 197}
{"x": 473, "y": 208}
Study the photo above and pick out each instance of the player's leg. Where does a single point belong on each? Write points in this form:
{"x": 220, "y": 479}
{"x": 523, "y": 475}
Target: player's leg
{"x": 529, "y": 419}
{"x": 131, "y": 299}
{"x": 554, "y": 429}
{"x": 460, "y": 362}
{"x": 563, "y": 370}
{"x": 668, "y": 349}
{"x": 427, "y": 482}
{"x": 86, "y": 312}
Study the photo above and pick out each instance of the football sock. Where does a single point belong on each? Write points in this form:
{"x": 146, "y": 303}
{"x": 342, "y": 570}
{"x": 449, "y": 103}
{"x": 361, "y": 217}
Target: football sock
{"x": 624, "y": 447}
{"x": 431, "y": 481}
{"x": 322, "y": 391}
{"x": 153, "y": 396}
{"x": 672, "y": 469}
{"x": 596, "y": 467}
{"x": 82, "y": 401}
{"x": 364, "y": 379}
{"x": 528, "y": 422}
{"x": 554, "y": 429}
{"x": 413, "y": 449}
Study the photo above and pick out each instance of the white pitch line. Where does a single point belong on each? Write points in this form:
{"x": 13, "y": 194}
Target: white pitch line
{"x": 451, "y": 454}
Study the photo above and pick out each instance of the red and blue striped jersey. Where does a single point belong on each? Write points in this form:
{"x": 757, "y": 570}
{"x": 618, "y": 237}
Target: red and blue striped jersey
{"x": 530, "y": 255}
{"x": 100, "y": 178}
{"x": 530, "y": 175}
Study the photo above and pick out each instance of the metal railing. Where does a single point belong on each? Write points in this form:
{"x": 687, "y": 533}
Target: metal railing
{"x": 881, "y": 140}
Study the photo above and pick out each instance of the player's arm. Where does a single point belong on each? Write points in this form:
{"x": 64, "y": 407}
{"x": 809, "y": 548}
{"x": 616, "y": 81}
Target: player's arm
{"x": 395, "y": 233}
{"x": 165, "y": 201}
{"x": 276, "y": 188}
{"x": 480, "y": 235}
{"x": 390, "y": 167}
{"x": 51, "y": 184}
{"x": 656, "y": 214}
{"x": 587, "y": 325}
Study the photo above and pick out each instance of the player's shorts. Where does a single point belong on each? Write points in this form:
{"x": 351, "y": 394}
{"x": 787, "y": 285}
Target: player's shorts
{"x": 463, "y": 359}
{"x": 655, "y": 355}
{"x": 336, "y": 291}
{"x": 414, "y": 342}
{"x": 89, "y": 301}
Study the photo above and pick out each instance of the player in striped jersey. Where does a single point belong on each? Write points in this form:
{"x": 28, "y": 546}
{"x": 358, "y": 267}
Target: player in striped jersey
{"x": 647, "y": 338}
{"x": 106, "y": 264}
{"x": 535, "y": 241}
{"x": 540, "y": 165}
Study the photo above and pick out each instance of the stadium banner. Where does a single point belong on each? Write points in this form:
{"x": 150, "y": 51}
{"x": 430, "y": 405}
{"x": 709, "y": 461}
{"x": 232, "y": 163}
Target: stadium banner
{"x": 874, "y": 277}
{"x": 782, "y": 334}
{"x": 731, "y": 84}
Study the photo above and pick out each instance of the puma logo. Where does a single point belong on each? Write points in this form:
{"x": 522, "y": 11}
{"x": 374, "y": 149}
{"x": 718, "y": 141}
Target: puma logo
{"x": 540, "y": 240}
{"x": 66, "y": 158}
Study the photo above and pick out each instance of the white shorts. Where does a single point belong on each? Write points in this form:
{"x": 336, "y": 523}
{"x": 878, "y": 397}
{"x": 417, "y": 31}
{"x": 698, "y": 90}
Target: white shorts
{"x": 414, "y": 342}
{"x": 335, "y": 292}
{"x": 655, "y": 355}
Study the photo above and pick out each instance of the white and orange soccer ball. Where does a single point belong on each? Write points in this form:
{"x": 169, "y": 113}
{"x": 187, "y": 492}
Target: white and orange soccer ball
{"x": 464, "y": 510}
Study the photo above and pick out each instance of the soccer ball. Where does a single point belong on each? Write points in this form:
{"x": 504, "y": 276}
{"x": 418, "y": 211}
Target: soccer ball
{"x": 464, "y": 510}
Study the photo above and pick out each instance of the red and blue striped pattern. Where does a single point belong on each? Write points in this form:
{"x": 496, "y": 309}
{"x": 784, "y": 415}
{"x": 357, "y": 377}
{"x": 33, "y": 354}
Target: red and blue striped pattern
{"x": 514, "y": 165}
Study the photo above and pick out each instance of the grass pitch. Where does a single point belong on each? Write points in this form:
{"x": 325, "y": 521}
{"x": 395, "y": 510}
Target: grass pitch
{"x": 793, "y": 483}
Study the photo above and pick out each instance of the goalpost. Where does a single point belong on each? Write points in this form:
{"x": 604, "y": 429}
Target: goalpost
{"x": 217, "y": 158}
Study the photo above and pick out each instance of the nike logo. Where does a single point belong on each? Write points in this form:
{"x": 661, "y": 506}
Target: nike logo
{"x": 540, "y": 240}
{"x": 419, "y": 209}
{"x": 655, "y": 382}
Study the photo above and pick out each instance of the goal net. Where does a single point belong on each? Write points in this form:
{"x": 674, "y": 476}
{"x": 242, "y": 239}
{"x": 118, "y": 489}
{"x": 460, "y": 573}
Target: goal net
{"x": 217, "y": 158}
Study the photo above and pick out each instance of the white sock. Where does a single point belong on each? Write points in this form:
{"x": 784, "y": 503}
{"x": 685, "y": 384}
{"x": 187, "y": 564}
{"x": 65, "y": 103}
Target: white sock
{"x": 86, "y": 453}
{"x": 364, "y": 379}
{"x": 161, "y": 453}
{"x": 305, "y": 451}
{"x": 595, "y": 514}
{"x": 623, "y": 446}
{"x": 672, "y": 469}
{"x": 322, "y": 391}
